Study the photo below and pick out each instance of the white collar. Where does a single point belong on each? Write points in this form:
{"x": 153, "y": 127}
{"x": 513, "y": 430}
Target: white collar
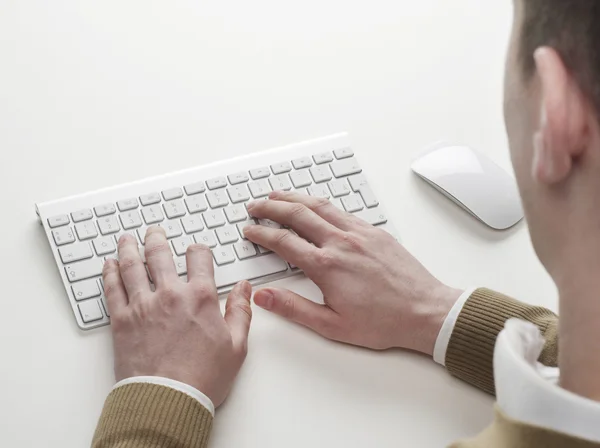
{"x": 528, "y": 392}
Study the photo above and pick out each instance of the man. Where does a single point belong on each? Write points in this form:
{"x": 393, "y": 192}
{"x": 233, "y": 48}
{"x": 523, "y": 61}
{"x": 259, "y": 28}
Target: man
{"x": 176, "y": 356}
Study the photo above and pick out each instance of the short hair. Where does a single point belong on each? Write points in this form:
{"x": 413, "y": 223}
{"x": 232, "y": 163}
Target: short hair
{"x": 572, "y": 28}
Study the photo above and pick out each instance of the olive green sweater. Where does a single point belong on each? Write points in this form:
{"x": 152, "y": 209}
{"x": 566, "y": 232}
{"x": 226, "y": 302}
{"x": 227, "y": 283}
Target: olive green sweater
{"x": 152, "y": 416}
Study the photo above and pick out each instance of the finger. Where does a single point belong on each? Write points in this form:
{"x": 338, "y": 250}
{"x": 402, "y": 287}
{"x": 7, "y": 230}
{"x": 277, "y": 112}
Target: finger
{"x": 159, "y": 257}
{"x": 131, "y": 267}
{"x": 116, "y": 296}
{"x": 322, "y": 207}
{"x": 288, "y": 304}
{"x": 296, "y": 216}
{"x": 284, "y": 243}
{"x": 200, "y": 266}
{"x": 238, "y": 315}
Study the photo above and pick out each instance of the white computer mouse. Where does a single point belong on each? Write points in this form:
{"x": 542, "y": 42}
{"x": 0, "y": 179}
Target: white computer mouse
{"x": 473, "y": 181}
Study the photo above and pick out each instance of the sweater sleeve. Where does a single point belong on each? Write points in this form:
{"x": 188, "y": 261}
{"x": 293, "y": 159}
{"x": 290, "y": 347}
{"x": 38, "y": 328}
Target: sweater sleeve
{"x": 471, "y": 348}
{"x": 143, "y": 415}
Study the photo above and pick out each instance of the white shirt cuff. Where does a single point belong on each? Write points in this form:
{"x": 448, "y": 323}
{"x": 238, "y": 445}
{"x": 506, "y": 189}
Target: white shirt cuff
{"x": 173, "y": 384}
{"x": 443, "y": 339}
{"x": 527, "y": 391}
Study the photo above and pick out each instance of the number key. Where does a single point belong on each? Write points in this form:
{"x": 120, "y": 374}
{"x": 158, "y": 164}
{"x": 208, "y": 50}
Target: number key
{"x": 108, "y": 225}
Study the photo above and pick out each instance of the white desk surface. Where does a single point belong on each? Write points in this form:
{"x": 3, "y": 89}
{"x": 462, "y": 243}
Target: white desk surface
{"x": 99, "y": 93}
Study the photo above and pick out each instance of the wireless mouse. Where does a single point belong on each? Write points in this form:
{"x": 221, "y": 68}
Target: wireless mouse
{"x": 473, "y": 181}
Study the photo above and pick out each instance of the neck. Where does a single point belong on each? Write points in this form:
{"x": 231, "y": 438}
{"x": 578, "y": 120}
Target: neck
{"x": 579, "y": 333}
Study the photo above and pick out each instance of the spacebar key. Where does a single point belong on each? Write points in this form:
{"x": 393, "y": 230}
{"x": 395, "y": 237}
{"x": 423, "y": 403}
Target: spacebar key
{"x": 250, "y": 269}
{"x": 84, "y": 269}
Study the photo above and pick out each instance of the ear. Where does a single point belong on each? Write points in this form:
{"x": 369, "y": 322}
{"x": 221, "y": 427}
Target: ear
{"x": 563, "y": 127}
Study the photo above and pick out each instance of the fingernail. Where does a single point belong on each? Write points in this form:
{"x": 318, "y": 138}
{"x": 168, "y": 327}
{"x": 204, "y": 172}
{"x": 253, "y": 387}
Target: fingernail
{"x": 250, "y": 205}
{"x": 246, "y": 288}
{"x": 248, "y": 227}
{"x": 264, "y": 298}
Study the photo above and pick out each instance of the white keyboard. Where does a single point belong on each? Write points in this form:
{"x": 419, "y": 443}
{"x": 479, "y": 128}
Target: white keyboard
{"x": 205, "y": 205}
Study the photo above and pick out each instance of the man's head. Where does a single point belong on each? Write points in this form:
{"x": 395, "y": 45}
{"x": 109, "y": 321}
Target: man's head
{"x": 552, "y": 105}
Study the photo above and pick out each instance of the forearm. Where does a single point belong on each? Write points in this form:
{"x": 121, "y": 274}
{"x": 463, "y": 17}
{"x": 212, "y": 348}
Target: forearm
{"x": 471, "y": 348}
{"x": 152, "y": 416}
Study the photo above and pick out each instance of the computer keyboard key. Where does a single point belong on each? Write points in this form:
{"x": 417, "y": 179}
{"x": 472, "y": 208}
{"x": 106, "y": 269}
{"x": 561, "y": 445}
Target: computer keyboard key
{"x": 373, "y": 216}
{"x": 86, "y": 230}
{"x": 90, "y": 311}
{"x": 172, "y": 228}
{"x": 319, "y": 191}
{"x": 338, "y": 203}
{"x": 130, "y": 220}
{"x": 238, "y": 178}
{"x": 127, "y": 204}
{"x": 108, "y": 225}
{"x": 207, "y": 238}
{"x": 172, "y": 193}
{"x": 283, "y": 167}
{"x": 83, "y": 270}
{"x": 227, "y": 234}
{"x": 105, "y": 209}
{"x": 352, "y": 203}
{"x": 238, "y": 194}
{"x": 269, "y": 223}
{"x": 180, "y": 265}
{"x": 58, "y": 221}
{"x": 357, "y": 182}
{"x": 345, "y": 167}
{"x": 368, "y": 197}
{"x": 236, "y": 213}
{"x": 343, "y": 153}
{"x": 181, "y": 244}
{"x": 149, "y": 199}
{"x": 280, "y": 182}
{"x": 213, "y": 218}
{"x": 244, "y": 249}
{"x": 241, "y": 226}
{"x": 321, "y": 173}
{"x": 248, "y": 269}
{"x": 339, "y": 188}
{"x": 223, "y": 255}
{"x": 152, "y": 214}
{"x": 75, "y": 252}
{"x": 174, "y": 209}
{"x": 260, "y": 173}
{"x": 196, "y": 203}
{"x": 259, "y": 189}
{"x": 217, "y": 198}
{"x": 104, "y": 245}
{"x": 302, "y": 162}
{"x": 81, "y": 215}
{"x": 194, "y": 188}
{"x": 63, "y": 235}
{"x": 192, "y": 224}
{"x": 85, "y": 289}
{"x": 324, "y": 157}
{"x": 301, "y": 178}
{"x": 217, "y": 182}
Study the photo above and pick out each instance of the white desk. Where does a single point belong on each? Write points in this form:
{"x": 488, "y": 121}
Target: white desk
{"x": 98, "y": 93}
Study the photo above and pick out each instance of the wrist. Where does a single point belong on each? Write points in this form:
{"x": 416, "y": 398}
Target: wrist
{"x": 429, "y": 316}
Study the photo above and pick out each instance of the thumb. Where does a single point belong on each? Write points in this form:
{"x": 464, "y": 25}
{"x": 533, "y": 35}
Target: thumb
{"x": 288, "y": 304}
{"x": 238, "y": 315}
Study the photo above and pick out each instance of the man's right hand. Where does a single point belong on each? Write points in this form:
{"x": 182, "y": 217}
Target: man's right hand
{"x": 377, "y": 295}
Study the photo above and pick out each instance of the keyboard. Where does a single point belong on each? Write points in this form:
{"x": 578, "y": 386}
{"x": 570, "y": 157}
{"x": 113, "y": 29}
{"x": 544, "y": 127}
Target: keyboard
{"x": 206, "y": 205}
